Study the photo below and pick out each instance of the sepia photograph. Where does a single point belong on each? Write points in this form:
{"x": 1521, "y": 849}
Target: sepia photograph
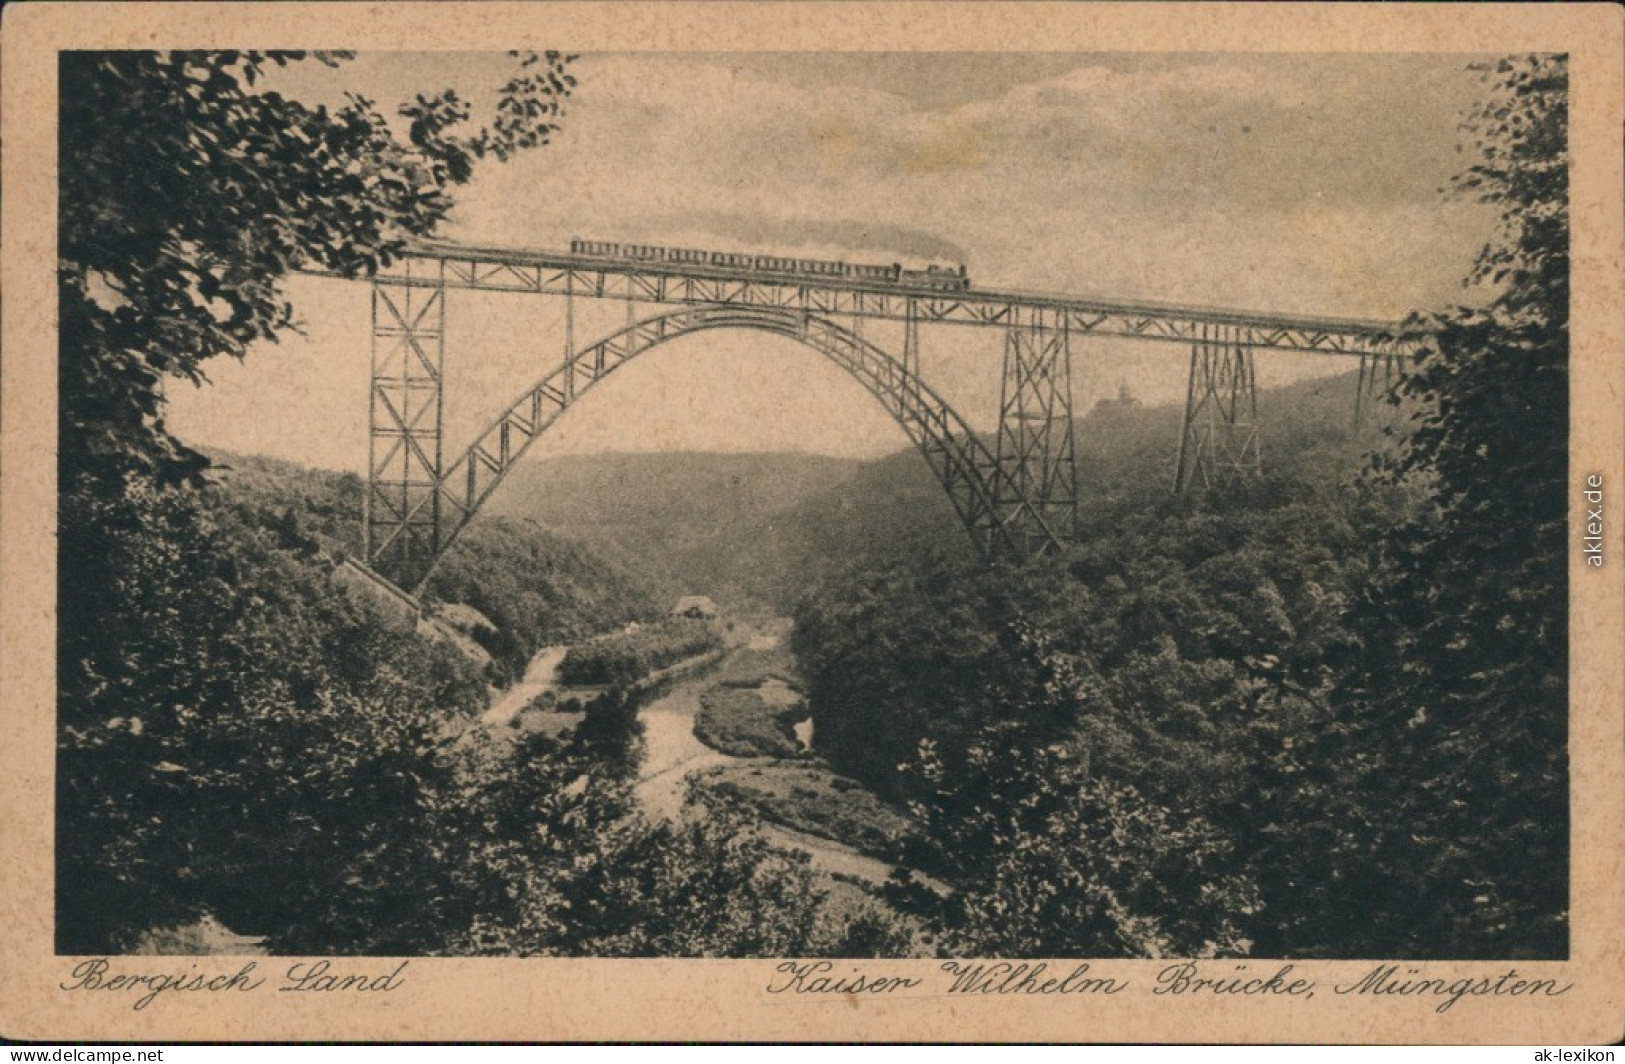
{"x": 868, "y": 513}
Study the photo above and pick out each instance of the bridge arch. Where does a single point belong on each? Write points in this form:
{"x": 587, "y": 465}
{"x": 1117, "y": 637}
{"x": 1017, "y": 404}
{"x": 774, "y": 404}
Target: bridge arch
{"x": 405, "y": 544}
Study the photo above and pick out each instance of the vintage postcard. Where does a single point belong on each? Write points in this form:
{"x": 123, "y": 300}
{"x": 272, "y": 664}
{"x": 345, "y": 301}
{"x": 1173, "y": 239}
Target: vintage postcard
{"x": 813, "y": 522}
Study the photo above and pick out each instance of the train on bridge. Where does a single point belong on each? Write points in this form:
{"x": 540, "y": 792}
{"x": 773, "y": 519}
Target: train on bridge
{"x": 944, "y": 278}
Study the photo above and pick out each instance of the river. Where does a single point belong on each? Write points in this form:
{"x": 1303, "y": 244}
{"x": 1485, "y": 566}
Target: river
{"x": 672, "y": 754}
{"x": 670, "y": 750}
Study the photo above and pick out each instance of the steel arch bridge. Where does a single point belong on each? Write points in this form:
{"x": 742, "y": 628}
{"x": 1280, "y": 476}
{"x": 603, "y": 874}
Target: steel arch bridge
{"x": 421, "y": 525}
{"x": 1016, "y": 497}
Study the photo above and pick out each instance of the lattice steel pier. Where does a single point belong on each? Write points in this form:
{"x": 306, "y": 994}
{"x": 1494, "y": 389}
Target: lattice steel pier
{"x": 1220, "y": 442}
{"x": 1035, "y": 482}
{"x": 401, "y": 514}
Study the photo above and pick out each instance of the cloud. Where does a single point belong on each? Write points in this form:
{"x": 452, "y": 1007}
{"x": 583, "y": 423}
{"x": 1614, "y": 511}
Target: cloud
{"x": 822, "y": 236}
{"x": 1198, "y": 178}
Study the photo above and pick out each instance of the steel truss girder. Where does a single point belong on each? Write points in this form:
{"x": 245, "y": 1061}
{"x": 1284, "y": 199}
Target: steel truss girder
{"x": 401, "y": 518}
{"x": 1035, "y": 483}
{"x": 550, "y": 274}
{"x": 1220, "y": 440}
{"x": 959, "y": 459}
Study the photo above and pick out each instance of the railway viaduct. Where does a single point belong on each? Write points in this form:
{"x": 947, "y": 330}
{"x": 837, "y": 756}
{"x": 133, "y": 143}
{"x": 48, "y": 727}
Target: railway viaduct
{"x": 1015, "y": 492}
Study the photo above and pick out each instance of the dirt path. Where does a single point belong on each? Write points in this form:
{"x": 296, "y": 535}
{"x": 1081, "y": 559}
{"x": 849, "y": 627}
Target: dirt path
{"x": 540, "y": 675}
{"x": 827, "y": 856}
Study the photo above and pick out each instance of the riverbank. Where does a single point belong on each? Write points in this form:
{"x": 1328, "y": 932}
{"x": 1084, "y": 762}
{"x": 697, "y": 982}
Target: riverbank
{"x": 757, "y": 671}
{"x": 844, "y": 832}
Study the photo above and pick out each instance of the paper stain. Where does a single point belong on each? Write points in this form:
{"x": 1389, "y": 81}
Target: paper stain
{"x": 950, "y": 145}
{"x": 953, "y": 145}
{"x": 837, "y": 140}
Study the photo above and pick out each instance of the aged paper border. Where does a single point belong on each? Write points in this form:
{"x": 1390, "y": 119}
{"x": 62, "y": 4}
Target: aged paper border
{"x": 503, "y": 999}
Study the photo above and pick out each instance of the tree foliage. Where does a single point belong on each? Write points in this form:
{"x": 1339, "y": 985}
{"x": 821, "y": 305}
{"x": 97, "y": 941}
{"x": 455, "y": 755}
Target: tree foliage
{"x": 1152, "y": 691}
{"x": 623, "y": 658}
{"x": 1481, "y": 576}
{"x": 1471, "y": 684}
{"x": 187, "y": 196}
{"x": 1050, "y": 856}
{"x": 242, "y": 739}
{"x": 229, "y": 725}
{"x": 536, "y": 588}
{"x": 599, "y": 882}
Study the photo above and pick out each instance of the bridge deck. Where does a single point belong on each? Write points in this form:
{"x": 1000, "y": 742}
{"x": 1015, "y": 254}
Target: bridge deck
{"x": 562, "y": 273}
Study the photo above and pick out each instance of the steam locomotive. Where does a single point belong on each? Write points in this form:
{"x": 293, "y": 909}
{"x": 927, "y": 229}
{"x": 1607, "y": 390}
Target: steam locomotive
{"x": 943, "y": 278}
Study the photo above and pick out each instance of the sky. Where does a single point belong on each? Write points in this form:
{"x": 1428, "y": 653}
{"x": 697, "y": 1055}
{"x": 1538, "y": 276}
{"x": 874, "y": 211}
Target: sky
{"x": 1276, "y": 182}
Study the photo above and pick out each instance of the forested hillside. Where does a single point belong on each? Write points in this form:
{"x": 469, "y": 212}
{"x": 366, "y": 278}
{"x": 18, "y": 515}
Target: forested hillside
{"x": 224, "y": 686}
{"x": 1184, "y": 657}
{"x": 261, "y": 726}
{"x": 1217, "y": 676}
{"x": 765, "y": 527}
{"x": 894, "y": 508}
{"x": 661, "y": 515}
{"x": 255, "y": 724}
{"x": 534, "y": 586}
